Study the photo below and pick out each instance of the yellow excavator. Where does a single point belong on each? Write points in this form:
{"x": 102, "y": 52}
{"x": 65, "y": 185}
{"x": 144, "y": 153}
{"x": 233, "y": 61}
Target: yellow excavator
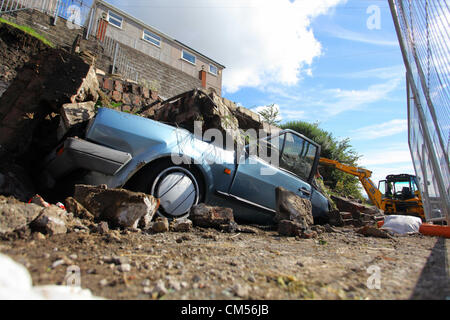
{"x": 398, "y": 194}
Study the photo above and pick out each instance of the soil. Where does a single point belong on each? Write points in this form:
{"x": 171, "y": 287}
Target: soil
{"x": 208, "y": 264}
{"x": 16, "y": 49}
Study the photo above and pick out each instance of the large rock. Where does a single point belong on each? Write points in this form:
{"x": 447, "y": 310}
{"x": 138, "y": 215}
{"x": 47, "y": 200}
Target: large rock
{"x": 160, "y": 225}
{"x": 292, "y": 207}
{"x": 213, "y": 217}
{"x": 361, "y": 214}
{"x": 289, "y": 228}
{"x": 181, "y": 225}
{"x": 75, "y": 116}
{"x": 77, "y": 209}
{"x": 197, "y": 105}
{"x": 16, "y": 215}
{"x": 52, "y": 220}
{"x": 120, "y": 207}
{"x": 51, "y": 79}
{"x": 349, "y": 205}
{"x": 293, "y": 215}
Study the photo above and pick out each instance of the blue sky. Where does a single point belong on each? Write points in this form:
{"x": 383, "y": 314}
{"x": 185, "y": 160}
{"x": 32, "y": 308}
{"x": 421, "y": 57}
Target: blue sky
{"x": 317, "y": 60}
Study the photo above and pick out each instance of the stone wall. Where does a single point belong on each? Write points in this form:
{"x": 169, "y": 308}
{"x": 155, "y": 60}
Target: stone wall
{"x": 126, "y": 96}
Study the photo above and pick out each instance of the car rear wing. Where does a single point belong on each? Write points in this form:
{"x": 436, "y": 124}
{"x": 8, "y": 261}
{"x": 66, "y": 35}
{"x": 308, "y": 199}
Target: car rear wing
{"x": 77, "y": 153}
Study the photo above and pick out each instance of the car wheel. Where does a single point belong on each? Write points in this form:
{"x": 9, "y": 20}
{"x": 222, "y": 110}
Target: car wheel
{"x": 179, "y": 188}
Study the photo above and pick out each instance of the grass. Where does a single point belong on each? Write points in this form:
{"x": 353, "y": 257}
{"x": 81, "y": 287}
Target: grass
{"x": 29, "y": 31}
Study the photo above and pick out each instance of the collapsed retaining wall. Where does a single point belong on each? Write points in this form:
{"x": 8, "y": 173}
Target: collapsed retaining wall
{"x": 167, "y": 80}
{"x": 16, "y": 48}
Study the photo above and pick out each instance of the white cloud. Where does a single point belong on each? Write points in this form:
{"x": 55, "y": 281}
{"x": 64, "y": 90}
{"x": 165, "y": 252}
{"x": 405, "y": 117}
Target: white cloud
{"x": 376, "y": 73}
{"x": 293, "y": 115}
{"x": 319, "y": 104}
{"x": 349, "y": 35}
{"x": 393, "y": 159}
{"x": 381, "y": 130}
{"x": 340, "y": 100}
{"x": 387, "y": 155}
{"x": 261, "y": 42}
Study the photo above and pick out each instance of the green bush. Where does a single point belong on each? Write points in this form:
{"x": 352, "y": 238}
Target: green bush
{"x": 338, "y": 182}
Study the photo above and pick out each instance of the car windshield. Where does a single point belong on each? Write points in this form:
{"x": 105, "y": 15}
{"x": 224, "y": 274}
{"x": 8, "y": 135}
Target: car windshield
{"x": 298, "y": 156}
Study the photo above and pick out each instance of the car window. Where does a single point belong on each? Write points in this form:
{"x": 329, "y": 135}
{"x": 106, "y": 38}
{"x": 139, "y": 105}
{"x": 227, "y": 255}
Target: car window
{"x": 298, "y": 156}
{"x": 269, "y": 149}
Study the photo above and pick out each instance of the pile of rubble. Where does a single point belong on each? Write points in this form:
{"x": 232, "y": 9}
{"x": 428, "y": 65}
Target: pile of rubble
{"x": 101, "y": 210}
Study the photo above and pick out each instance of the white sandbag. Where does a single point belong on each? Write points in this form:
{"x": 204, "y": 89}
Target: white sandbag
{"x": 13, "y": 275}
{"x": 64, "y": 293}
{"x": 402, "y": 224}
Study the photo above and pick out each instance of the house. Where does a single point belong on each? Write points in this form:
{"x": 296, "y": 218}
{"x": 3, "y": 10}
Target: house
{"x": 136, "y": 34}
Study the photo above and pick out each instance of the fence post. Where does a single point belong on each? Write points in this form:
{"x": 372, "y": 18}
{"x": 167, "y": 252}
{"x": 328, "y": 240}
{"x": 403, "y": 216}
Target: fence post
{"x": 116, "y": 51}
{"x": 91, "y": 19}
{"x": 55, "y": 19}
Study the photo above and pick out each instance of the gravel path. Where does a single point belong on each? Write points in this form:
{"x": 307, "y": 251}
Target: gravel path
{"x": 207, "y": 264}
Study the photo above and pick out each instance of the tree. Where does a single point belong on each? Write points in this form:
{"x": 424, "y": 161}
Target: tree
{"x": 339, "y": 182}
{"x": 271, "y": 114}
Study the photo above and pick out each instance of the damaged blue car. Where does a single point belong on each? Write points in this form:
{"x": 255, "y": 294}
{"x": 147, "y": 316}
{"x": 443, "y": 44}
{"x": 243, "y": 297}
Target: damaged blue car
{"x": 182, "y": 169}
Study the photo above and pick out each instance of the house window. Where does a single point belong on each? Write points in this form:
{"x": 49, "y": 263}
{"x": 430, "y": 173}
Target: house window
{"x": 188, "y": 57}
{"x": 115, "y": 19}
{"x": 152, "y": 38}
{"x": 213, "y": 69}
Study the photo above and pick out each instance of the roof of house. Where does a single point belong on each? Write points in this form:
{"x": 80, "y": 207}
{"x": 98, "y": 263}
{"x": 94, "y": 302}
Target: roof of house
{"x": 150, "y": 28}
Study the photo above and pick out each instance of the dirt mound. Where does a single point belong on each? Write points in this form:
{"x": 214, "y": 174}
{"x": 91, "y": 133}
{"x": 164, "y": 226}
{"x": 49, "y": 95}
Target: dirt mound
{"x": 16, "y": 49}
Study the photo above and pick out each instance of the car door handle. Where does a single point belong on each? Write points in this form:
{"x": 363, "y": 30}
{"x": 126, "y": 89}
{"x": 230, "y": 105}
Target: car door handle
{"x": 305, "y": 191}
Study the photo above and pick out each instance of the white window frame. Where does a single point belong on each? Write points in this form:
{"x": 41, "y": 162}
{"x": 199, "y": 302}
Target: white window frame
{"x": 152, "y": 36}
{"x": 213, "y": 73}
{"x": 182, "y": 57}
{"x": 115, "y": 19}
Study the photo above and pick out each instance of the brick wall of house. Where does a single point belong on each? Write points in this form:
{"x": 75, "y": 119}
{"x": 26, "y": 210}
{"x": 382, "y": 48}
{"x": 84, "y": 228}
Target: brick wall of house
{"x": 167, "y": 80}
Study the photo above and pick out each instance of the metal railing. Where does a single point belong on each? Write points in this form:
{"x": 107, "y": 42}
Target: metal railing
{"x": 8, "y": 6}
{"x": 121, "y": 63}
{"x": 74, "y": 11}
{"x": 423, "y": 29}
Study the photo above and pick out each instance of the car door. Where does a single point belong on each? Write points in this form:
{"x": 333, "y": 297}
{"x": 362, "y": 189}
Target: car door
{"x": 258, "y": 176}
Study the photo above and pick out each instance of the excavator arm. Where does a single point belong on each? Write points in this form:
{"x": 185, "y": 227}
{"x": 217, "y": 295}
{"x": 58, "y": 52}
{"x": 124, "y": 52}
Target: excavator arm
{"x": 363, "y": 176}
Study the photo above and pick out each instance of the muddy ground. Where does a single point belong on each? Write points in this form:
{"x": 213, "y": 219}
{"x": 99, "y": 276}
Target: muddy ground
{"x": 208, "y": 264}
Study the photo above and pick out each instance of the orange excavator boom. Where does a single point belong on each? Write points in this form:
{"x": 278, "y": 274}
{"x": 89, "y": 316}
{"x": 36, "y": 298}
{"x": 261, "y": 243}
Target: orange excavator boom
{"x": 364, "y": 177}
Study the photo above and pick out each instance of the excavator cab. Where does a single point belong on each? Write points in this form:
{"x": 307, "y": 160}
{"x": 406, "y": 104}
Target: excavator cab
{"x": 399, "y": 187}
